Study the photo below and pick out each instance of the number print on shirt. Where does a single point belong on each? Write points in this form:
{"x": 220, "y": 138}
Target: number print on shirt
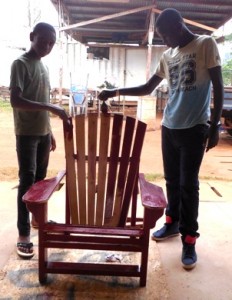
{"x": 183, "y": 76}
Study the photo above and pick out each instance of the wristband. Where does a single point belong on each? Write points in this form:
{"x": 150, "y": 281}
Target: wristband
{"x": 216, "y": 125}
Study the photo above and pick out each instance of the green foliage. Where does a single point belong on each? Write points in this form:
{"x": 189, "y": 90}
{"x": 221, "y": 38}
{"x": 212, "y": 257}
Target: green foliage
{"x": 153, "y": 176}
{"x": 227, "y": 73}
{"x": 5, "y": 105}
{"x": 107, "y": 85}
{"x": 228, "y": 37}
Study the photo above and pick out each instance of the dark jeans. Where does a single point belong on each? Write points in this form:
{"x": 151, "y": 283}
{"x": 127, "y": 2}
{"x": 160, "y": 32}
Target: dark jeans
{"x": 33, "y": 156}
{"x": 183, "y": 150}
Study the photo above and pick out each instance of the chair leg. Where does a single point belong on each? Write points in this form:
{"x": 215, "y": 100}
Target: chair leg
{"x": 43, "y": 252}
{"x": 42, "y": 278}
{"x": 144, "y": 261}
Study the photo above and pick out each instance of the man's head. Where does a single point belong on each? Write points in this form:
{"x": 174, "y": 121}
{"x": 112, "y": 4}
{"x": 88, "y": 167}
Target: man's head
{"x": 170, "y": 27}
{"x": 43, "y": 38}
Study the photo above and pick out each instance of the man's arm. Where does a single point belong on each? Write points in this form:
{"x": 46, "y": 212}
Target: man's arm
{"x": 140, "y": 90}
{"x": 19, "y": 102}
{"x": 218, "y": 96}
{"x": 218, "y": 93}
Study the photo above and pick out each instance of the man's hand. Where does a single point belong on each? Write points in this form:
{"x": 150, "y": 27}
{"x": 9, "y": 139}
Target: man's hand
{"x": 212, "y": 137}
{"x": 60, "y": 112}
{"x": 53, "y": 143}
{"x": 105, "y": 94}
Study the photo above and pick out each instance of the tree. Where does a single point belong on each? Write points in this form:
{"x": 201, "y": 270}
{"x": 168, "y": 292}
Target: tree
{"x": 227, "y": 73}
{"x": 227, "y": 66}
{"x": 228, "y": 38}
{"x": 34, "y": 13}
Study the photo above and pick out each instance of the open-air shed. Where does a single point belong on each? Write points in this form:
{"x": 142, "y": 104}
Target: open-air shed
{"x": 122, "y": 30}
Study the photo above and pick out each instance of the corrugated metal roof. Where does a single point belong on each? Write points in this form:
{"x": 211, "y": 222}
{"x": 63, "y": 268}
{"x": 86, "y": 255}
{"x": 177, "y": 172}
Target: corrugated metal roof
{"x": 115, "y": 21}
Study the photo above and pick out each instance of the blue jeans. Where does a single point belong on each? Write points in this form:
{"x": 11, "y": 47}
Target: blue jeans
{"x": 33, "y": 156}
{"x": 183, "y": 150}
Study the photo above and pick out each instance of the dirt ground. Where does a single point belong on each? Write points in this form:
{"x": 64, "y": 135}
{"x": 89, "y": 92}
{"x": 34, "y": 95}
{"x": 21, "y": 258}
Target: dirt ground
{"x": 217, "y": 163}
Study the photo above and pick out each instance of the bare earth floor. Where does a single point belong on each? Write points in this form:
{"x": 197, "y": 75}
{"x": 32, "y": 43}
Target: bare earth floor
{"x": 211, "y": 279}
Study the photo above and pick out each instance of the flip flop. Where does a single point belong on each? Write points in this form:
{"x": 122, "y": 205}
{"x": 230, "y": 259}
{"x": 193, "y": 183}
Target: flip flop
{"x": 28, "y": 247}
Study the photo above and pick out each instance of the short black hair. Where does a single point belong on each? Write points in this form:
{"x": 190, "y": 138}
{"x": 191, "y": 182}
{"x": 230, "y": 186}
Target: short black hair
{"x": 43, "y": 26}
{"x": 168, "y": 17}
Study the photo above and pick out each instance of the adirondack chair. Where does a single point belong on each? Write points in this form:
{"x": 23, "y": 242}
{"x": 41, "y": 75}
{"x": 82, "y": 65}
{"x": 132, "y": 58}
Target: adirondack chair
{"x": 102, "y": 192}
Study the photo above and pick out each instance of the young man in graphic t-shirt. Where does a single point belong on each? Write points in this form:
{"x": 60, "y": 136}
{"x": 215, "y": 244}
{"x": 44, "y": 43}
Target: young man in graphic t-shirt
{"x": 191, "y": 66}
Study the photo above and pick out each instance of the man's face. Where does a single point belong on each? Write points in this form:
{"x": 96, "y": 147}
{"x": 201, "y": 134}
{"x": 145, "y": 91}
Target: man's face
{"x": 42, "y": 42}
{"x": 170, "y": 36}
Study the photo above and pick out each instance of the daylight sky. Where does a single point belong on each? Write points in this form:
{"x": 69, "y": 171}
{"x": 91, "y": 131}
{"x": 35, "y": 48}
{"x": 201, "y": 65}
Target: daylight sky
{"x": 14, "y": 18}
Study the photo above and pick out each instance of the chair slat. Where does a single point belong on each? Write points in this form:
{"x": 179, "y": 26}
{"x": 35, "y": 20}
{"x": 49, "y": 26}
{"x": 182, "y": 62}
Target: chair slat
{"x": 81, "y": 169}
{"x": 92, "y": 152}
{"x": 71, "y": 176}
{"x": 114, "y": 154}
{"x": 133, "y": 169}
{"x": 123, "y": 169}
{"x": 102, "y": 167}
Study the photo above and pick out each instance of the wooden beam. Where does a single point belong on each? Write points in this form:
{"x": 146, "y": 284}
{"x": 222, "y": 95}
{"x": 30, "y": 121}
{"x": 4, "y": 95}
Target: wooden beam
{"x": 190, "y": 22}
{"x": 149, "y": 50}
{"x": 199, "y": 25}
{"x": 108, "y": 17}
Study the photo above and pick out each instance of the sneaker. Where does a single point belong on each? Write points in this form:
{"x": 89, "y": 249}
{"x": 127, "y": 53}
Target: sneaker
{"x": 189, "y": 256}
{"x": 167, "y": 231}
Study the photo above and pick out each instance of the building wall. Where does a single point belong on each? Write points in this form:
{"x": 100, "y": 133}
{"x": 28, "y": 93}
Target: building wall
{"x": 68, "y": 63}
{"x": 125, "y": 67}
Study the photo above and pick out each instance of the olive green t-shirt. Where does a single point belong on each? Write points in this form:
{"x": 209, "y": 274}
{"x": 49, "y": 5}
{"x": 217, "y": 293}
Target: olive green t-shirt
{"x": 31, "y": 76}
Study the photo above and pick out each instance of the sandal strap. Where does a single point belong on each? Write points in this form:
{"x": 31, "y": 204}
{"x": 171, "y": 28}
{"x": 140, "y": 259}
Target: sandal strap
{"x": 25, "y": 245}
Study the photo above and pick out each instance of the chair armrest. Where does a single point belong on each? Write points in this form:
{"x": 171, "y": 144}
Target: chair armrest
{"x": 41, "y": 191}
{"x": 152, "y": 195}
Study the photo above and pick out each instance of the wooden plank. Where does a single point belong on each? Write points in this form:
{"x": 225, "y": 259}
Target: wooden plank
{"x": 96, "y": 20}
{"x": 71, "y": 175}
{"x": 102, "y": 166}
{"x": 81, "y": 169}
{"x": 187, "y": 21}
{"x": 114, "y": 157}
{"x": 133, "y": 171}
{"x": 124, "y": 162}
{"x": 42, "y": 190}
{"x": 92, "y": 151}
{"x": 149, "y": 49}
{"x": 93, "y": 269}
{"x": 88, "y": 230}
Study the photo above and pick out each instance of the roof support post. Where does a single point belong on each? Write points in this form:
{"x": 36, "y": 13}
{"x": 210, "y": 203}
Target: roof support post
{"x": 150, "y": 38}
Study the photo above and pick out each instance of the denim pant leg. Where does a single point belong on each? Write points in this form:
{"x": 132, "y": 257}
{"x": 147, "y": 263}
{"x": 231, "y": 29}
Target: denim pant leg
{"x": 192, "y": 152}
{"x": 171, "y": 165}
{"x": 43, "y": 153}
{"x": 29, "y": 150}
{"x": 183, "y": 151}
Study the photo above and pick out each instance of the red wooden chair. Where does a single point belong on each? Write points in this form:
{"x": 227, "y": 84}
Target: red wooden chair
{"x": 102, "y": 187}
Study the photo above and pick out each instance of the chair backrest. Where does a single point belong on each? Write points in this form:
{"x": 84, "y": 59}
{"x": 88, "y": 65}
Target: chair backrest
{"x": 102, "y": 164}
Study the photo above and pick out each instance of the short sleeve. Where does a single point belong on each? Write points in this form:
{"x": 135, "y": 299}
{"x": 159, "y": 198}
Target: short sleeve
{"x": 160, "y": 68}
{"x": 18, "y": 75}
{"x": 212, "y": 57}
